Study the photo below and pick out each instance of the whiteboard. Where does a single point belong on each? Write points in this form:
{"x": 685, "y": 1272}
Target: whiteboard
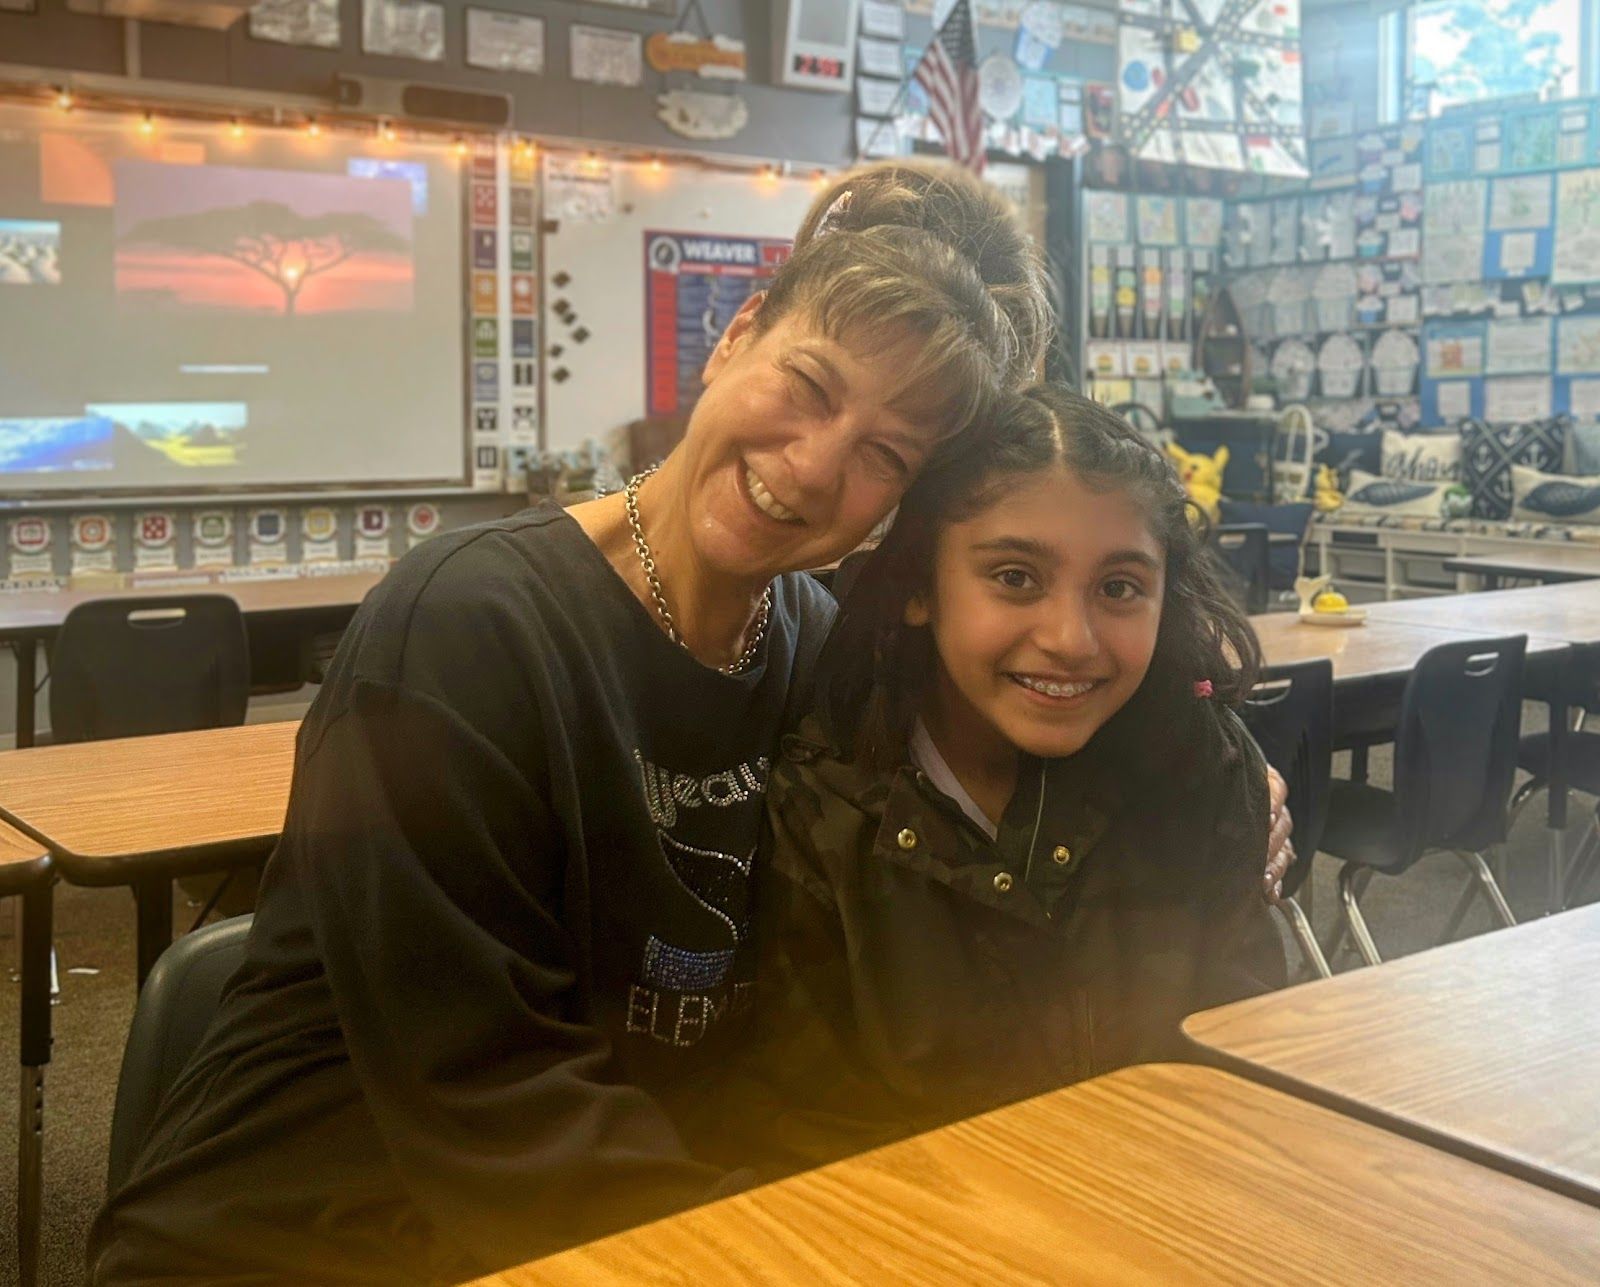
{"x": 599, "y": 216}
{"x": 187, "y": 308}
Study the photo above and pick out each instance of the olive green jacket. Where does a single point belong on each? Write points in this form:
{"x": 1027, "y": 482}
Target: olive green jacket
{"x": 913, "y": 971}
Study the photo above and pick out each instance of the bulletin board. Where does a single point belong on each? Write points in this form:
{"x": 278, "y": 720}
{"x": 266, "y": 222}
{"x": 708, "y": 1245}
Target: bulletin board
{"x": 642, "y": 268}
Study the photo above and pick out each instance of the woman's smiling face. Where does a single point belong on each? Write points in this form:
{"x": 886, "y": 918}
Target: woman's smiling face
{"x": 1044, "y": 609}
{"x": 799, "y": 446}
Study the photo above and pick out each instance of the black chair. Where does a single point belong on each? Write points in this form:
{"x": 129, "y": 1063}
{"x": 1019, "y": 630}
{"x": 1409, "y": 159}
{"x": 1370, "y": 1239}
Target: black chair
{"x": 1582, "y": 751}
{"x": 1290, "y": 715}
{"x": 1247, "y": 549}
{"x": 134, "y": 666}
{"x": 177, "y": 1004}
{"x": 1455, "y": 755}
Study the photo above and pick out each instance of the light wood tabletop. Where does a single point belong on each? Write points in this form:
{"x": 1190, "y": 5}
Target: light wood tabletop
{"x": 1376, "y": 649}
{"x": 1569, "y": 612}
{"x": 22, "y": 861}
{"x": 107, "y": 809}
{"x": 1559, "y": 563}
{"x": 45, "y": 610}
{"x": 1486, "y": 1047}
{"x": 1162, "y": 1173}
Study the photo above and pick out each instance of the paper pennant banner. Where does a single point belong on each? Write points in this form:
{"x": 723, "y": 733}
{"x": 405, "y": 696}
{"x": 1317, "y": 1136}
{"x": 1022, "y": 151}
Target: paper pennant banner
{"x": 319, "y": 535}
{"x": 92, "y": 544}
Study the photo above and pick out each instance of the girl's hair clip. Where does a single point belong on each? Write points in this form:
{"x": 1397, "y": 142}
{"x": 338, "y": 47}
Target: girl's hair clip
{"x": 1202, "y": 688}
{"x": 834, "y": 216}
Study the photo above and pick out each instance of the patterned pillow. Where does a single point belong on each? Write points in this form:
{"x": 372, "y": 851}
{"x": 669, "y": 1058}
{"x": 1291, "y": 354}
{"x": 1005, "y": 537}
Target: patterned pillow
{"x": 1370, "y": 494}
{"x": 1583, "y": 448}
{"x": 1422, "y": 457}
{"x": 1489, "y": 451}
{"x": 1554, "y": 498}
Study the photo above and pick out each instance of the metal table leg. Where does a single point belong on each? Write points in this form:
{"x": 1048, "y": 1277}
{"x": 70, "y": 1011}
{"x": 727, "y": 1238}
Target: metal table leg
{"x": 35, "y": 957}
{"x": 153, "y": 896}
{"x": 26, "y": 655}
{"x": 1556, "y": 802}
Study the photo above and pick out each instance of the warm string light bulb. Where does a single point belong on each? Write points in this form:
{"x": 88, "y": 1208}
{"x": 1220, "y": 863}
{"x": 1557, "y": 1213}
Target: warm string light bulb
{"x": 236, "y": 128}
{"x": 656, "y": 167}
{"x": 64, "y": 98}
{"x": 313, "y": 129}
{"x": 147, "y": 126}
{"x": 461, "y": 146}
{"x": 386, "y": 131}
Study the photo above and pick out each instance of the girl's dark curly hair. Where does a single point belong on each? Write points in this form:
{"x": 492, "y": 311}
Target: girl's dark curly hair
{"x": 875, "y": 670}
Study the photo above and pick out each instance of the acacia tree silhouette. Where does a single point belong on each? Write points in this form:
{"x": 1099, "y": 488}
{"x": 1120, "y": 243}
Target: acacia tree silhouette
{"x": 267, "y": 237}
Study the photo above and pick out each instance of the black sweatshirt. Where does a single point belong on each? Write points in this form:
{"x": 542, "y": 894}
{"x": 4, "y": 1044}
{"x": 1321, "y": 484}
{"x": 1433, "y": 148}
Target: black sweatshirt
{"x": 504, "y": 933}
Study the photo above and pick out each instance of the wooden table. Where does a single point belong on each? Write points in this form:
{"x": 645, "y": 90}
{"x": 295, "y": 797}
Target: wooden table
{"x": 25, "y": 874}
{"x": 28, "y": 617}
{"x": 139, "y": 811}
{"x": 1163, "y": 1173}
{"x": 1559, "y": 564}
{"x": 1487, "y": 1048}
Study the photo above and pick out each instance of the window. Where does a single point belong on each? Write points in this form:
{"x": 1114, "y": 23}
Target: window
{"x": 1461, "y": 51}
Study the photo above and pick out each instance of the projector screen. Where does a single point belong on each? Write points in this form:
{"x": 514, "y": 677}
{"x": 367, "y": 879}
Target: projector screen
{"x": 184, "y": 309}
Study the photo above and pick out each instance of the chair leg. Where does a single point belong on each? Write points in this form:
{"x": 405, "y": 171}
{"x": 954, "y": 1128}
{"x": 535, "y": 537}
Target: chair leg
{"x": 1487, "y": 883}
{"x": 1362, "y": 876}
{"x": 1352, "y": 912}
{"x": 1309, "y": 947}
{"x": 1585, "y": 863}
{"x": 1469, "y": 895}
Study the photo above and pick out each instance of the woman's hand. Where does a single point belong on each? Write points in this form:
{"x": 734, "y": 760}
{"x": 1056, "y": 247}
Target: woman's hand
{"x": 1280, "y": 849}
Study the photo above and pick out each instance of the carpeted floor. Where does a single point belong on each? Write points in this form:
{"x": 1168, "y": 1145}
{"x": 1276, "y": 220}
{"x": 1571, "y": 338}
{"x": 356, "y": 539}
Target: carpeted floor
{"x": 95, "y": 940}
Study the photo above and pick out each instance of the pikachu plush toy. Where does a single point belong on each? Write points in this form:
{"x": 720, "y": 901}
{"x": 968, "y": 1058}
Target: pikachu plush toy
{"x": 1201, "y": 476}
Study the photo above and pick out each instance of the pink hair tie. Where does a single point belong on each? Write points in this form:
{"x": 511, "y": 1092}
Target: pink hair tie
{"x": 1202, "y": 688}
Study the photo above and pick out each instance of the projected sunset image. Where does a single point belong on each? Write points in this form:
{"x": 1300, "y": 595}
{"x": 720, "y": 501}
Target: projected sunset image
{"x": 261, "y": 241}
{"x": 51, "y": 443}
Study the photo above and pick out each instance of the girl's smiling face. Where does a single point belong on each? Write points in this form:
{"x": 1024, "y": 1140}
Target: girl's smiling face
{"x": 1044, "y": 609}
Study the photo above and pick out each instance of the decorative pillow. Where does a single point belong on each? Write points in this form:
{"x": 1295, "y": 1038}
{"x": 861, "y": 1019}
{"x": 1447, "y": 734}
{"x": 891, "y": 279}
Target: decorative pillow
{"x": 1369, "y": 494}
{"x": 1489, "y": 451}
{"x": 1422, "y": 457}
{"x": 1554, "y": 498}
{"x": 1349, "y": 451}
{"x": 1294, "y": 518}
{"x": 1583, "y": 447}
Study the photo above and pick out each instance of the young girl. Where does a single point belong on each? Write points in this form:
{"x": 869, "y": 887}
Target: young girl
{"x": 1021, "y": 836}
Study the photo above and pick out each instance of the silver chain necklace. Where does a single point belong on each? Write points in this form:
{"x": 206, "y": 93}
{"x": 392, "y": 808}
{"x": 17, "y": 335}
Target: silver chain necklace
{"x": 630, "y": 497}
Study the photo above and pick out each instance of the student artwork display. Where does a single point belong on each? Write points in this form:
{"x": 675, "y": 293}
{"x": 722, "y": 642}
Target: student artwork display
{"x": 372, "y": 539}
{"x": 511, "y": 42}
{"x": 268, "y": 538}
{"x": 155, "y": 544}
{"x": 93, "y": 544}
{"x": 296, "y": 22}
{"x": 211, "y": 532}
{"x": 1576, "y": 256}
{"x": 319, "y": 533}
{"x": 422, "y": 521}
{"x": 30, "y": 547}
{"x": 403, "y": 29}
{"x": 606, "y": 56}
{"x": 1454, "y": 219}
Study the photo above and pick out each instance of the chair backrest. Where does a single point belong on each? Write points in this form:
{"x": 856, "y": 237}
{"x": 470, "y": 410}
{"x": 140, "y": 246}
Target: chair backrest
{"x": 1247, "y": 549}
{"x": 176, "y": 1006}
{"x": 133, "y": 666}
{"x": 1290, "y": 714}
{"x": 1455, "y": 750}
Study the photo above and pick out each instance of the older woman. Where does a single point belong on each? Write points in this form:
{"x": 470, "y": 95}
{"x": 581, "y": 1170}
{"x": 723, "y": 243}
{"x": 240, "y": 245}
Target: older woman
{"x": 505, "y": 936}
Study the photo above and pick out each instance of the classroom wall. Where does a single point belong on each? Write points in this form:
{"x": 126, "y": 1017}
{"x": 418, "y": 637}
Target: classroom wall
{"x": 784, "y": 123}
{"x": 455, "y": 511}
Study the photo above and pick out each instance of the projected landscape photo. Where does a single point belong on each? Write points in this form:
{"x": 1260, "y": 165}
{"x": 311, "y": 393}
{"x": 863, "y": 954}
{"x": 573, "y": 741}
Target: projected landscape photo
{"x": 192, "y": 434}
{"x": 30, "y": 252}
{"x": 261, "y": 241}
{"x": 54, "y": 444}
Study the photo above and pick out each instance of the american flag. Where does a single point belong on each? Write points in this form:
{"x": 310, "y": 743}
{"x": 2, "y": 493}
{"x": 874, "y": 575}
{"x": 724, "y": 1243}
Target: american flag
{"x": 949, "y": 72}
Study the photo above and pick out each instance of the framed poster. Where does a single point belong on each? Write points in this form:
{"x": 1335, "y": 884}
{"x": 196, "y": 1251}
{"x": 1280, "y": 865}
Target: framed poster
{"x": 505, "y": 41}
